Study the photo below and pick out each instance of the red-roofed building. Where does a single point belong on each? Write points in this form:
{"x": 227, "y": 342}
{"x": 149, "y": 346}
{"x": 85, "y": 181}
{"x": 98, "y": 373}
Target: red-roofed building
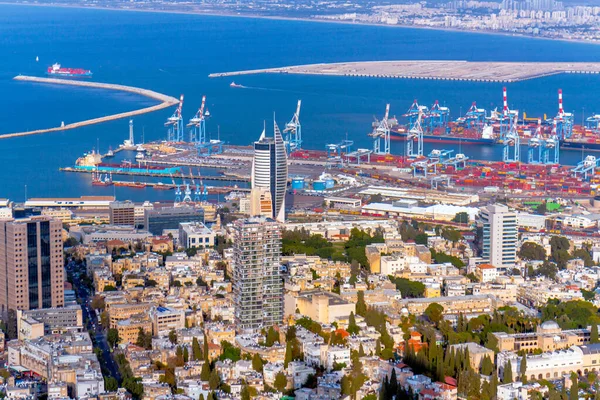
{"x": 415, "y": 343}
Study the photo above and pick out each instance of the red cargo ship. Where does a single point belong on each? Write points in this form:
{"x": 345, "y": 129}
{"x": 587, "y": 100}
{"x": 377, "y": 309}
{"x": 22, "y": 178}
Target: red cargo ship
{"x": 57, "y": 70}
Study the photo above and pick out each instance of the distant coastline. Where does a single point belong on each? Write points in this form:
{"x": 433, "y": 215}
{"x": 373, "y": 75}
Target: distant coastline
{"x": 299, "y": 19}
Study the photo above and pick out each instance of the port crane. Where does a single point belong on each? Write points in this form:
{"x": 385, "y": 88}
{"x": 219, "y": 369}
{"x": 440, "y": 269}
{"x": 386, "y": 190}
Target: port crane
{"x": 335, "y": 152}
{"x": 177, "y": 190}
{"x": 198, "y": 125}
{"x": 438, "y": 116}
{"x": 593, "y": 123}
{"x": 563, "y": 120}
{"x": 586, "y": 167}
{"x": 293, "y": 132}
{"x": 413, "y": 113}
{"x": 197, "y": 192}
{"x": 512, "y": 142}
{"x": 174, "y": 124}
{"x": 474, "y": 117}
{"x": 550, "y": 152}
{"x": 415, "y": 134}
{"x": 382, "y": 131}
{"x": 187, "y": 198}
{"x": 535, "y": 146}
{"x": 458, "y": 161}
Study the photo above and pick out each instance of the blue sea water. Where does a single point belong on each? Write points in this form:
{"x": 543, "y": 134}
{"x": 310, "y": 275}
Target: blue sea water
{"x": 174, "y": 53}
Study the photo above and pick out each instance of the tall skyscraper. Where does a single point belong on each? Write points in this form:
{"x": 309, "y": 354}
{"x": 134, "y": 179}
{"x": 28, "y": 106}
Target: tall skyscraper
{"x": 269, "y": 169}
{"x": 31, "y": 264}
{"x": 257, "y": 282}
{"x": 499, "y": 235}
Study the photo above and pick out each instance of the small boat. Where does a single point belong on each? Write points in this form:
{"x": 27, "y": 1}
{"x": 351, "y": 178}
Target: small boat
{"x": 139, "y": 156}
{"x": 140, "y": 148}
{"x": 109, "y": 153}
{"x": 37, "y": 58}
{"x": 235, "y": 85}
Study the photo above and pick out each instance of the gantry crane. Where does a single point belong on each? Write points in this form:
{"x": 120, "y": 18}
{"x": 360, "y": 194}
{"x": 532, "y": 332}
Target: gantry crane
{"x": 563, "y": 120}
{"x": 512, "y": 141}
{"x": 198, "y": 124}
{"x": 382, "y": 131}
{"x": 293, "y": 132}
{"x": 415, "y": 134}
{"x": 550, "y": 153}
{"x": 174, "y": 124}
{"x": 535, "y": 146}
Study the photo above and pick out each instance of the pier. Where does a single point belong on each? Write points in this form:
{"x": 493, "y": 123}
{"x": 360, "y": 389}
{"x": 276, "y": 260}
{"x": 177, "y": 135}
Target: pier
{"x": 165, "y": 101}
{"x": 505, "y": 72}
{"x": 149, "y": 173}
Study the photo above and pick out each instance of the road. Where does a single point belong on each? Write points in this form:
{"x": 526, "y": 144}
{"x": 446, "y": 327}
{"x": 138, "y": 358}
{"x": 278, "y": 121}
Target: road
{"x": 90, "y": 320}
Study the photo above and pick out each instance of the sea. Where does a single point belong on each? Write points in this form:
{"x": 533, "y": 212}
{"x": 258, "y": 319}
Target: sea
{"x": 175, "y": 53}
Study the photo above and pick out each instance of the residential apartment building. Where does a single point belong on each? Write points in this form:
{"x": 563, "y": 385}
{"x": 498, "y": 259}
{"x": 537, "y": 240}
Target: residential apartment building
{"x": 499, "y": 236}
{"x": 257, "y": 282}
{"x": 31, "y": 264}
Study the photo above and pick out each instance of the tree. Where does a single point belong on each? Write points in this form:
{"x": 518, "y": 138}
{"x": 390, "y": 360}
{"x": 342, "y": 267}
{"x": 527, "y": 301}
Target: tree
{"x": 422, "y": 238}
{"x": 574, "y": 392}
{"x": 523, "y": 368}
{"x": 205, "y": 371}
{"x": 98, "y": 303}
{"x": 361, "y": 306}
{"x": 173, "y": 336}
{"x": 532, "y": 251}
{"x": 487, "y": 367}
{"x": 353, "y": 329}
{"x": 104, "y": 319}
{"x": 434, "y": 312}
{"x": 288, "y": 354}
{"x": 205, "y": 348}
{"x": 507, "y": 376}
{"x": 280, "y": 381}
{"x": 542, "y": 208}
{"x": 257, "y": 363}
{"x": 144, "y": 339}
{"x": 186, "y": 354}
{"x": 110, "y": 384}
{"x": 112, "y": 337}
{"x": 272, "y": 337}
{"x": 214, "y": 381}
{"x": 376, "y": 198}
{"x": 461, "y": 217}
{"x": 245, "y": 392}
{"x": 594, "y": 333}
{"x": 196, "y": 350}
{"x": 451, "y": 235}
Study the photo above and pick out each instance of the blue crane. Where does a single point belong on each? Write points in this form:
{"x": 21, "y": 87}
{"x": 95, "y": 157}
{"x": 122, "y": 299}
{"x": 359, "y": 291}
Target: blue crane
{"x": 174, "y": 124}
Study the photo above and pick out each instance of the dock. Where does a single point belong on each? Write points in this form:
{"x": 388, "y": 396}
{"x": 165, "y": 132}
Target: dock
{"x": 149, "y": 173}
{"x": 165, "y": 101}
{"x": 505, "y": 72}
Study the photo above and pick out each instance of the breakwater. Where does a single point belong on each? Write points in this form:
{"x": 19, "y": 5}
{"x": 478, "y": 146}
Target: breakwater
{"x": 165, "y": 101}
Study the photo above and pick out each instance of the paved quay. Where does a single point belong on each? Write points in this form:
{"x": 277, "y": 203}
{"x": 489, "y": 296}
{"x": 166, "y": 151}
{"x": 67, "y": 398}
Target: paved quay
{"x": 437, "y": 70}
